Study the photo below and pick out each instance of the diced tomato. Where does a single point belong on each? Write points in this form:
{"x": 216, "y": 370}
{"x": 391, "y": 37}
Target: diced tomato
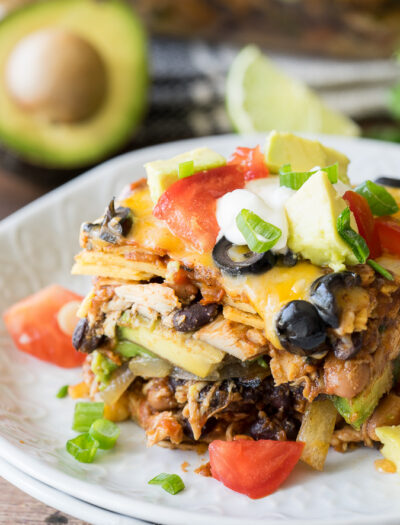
{"x": 188, "y": 206}
{"x": 251, "y": 161}
{"x": 365, "y": 221}
{"x": 388, "y": 229}
{"x": 34, "y": 327}
{"x": 254, "y": 468}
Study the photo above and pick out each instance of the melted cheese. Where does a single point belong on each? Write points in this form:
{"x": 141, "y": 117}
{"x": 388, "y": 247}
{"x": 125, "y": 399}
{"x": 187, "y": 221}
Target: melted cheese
{"x": 270, "y": 291}
{"x": 153, "y": 234}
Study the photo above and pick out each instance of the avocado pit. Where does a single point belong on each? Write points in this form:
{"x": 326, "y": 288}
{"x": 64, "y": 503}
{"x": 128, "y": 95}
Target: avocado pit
{"x": 57, "y": 75}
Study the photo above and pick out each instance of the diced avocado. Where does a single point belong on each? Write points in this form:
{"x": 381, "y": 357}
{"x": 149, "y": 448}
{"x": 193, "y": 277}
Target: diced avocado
{"x": 390, "y": 437}
{"x": 162, "y": 173}
{"x": 302, "y": 154}
{"x": 197, "y": 357}
{"x": 129, "y": 348}
{"x": 312, "y": 214}
{"x": 73, "y": 82}
{"x": 357, "y": 410}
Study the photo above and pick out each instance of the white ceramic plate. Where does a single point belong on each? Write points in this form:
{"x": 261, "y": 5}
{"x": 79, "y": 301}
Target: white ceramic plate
{"x": 37, "y": 245}
{"x": 61, "y": 501}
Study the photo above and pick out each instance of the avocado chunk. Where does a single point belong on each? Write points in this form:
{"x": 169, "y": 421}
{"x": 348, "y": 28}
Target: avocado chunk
{"x": 302, "y": 154}
{"x": 197, "y": 357}
{"x": 312, "y": 214}
{"x": 357, "y": 410}
{"x": 74, "y": 80}
{"x": 162, "y": 173}
{"x": 390, "y": 437}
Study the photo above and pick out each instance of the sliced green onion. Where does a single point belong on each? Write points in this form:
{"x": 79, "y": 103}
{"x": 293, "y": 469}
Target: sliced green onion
{"x": 353, "y": 239}
{"x": 172, "y": 483}
{"x": 333, "y": 172}
{"x": 379, "y": 199}
{"x": 83, "y": 448}
{"x": 85, "y": 414}
{"x": 380, "y": 269}
{"x": 261, "y": 362}
{"x": 260, "y": 236}
{"x": 105, "y": 432}
{"x": 185, "y": 169}
{"x": 131, "y": 349}
{"x": 295, "y": 179}
{"x": 63, "y": 392}
{"x": 102, "y": 367}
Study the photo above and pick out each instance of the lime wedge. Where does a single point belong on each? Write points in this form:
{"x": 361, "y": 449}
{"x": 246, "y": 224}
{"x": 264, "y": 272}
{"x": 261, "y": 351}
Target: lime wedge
{"x": 260, "y": 97}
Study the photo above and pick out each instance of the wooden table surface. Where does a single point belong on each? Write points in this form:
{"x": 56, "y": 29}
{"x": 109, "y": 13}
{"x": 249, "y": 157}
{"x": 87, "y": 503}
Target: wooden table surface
{"x": 16, "y": 507}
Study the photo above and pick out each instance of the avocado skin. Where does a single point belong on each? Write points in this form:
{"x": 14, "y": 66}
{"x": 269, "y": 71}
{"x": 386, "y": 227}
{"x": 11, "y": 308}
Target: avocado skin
{"x": 357, "y": 410}
{"x": 65, "y": 152}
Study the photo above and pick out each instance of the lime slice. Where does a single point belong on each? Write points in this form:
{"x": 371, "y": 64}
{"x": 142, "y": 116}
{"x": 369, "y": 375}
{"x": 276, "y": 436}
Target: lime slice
{"x": 260, "y": 97}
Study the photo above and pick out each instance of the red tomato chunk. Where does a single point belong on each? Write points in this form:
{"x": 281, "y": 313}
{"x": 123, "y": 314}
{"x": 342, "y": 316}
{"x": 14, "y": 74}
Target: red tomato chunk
{"x": 34, "y": 327}
{"x": 188, "y": 206}
{"x": 365, "y": 221}
{"x": 389, "y": 234}
{"x": 253, "y": 468}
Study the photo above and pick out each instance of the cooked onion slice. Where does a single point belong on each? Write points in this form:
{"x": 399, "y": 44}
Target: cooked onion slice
{"x": 316, "y": 431}
{"x": 119, "y": 382}
{"x": 149, "y": 367}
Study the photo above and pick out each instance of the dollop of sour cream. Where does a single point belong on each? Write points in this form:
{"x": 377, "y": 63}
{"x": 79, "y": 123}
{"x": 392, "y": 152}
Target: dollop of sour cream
{"x": 265, "y": 198}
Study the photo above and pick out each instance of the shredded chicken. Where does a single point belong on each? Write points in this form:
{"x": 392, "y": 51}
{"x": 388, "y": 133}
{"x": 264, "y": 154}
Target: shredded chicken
{"x": 230, "y": 337}
{"x": 155, "y": 296}
{"x": 161, "y": 426}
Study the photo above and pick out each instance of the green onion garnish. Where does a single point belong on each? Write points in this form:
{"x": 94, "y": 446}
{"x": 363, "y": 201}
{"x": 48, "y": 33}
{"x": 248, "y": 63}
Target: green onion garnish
{"x": 260, "y": 236}
{"x": 62, "y": 392}
{"x": 261, "y": 362}
{"x": 295, "y": 179}
{"x": 85, "y": 414}
{"x": 83, "y": 448}
{"x": 172, "y": 483}
{"x": 105, "y": 432}
{"x": 353, "y": 239}
{"x": 131, "y": 349}
{"x": 185, "y": 169}
{"x": 380, "y": 269}
{"x": 379, "y": 199}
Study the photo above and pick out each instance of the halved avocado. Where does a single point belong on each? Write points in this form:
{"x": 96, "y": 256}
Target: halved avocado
{"x": 79, "y": 113}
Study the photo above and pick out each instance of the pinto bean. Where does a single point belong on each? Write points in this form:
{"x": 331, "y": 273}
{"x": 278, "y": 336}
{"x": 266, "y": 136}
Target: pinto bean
{"x": 345, "y": 378}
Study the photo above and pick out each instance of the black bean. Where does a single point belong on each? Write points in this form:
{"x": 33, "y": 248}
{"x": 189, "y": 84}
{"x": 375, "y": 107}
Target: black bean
{"x": 79, "y": 333}
{"x": 347, "y": 346}
{"x": 193, "y": 317}
{"x": 91, "y": 343}
{"x": 300, "y": 329}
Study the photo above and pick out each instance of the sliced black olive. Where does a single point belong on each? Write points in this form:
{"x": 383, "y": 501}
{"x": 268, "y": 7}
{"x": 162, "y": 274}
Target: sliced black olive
{"x": 79, "y": 333}
{"x": 236, "y": 260}
{"x": 289, "y": 259}
{"x": 193, "y": 317}
{"x": 91, "y": 227}
{"x": 347, "y": 346}
{"x": 300, "y": 329}
{"x": 116, "y": 223}
{"x": 388, "y": 181}
{"x": 323, "y": 294}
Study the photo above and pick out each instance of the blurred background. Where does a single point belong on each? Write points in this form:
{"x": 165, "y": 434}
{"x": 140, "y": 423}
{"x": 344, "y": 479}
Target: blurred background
{"x": 83, "y": 80}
